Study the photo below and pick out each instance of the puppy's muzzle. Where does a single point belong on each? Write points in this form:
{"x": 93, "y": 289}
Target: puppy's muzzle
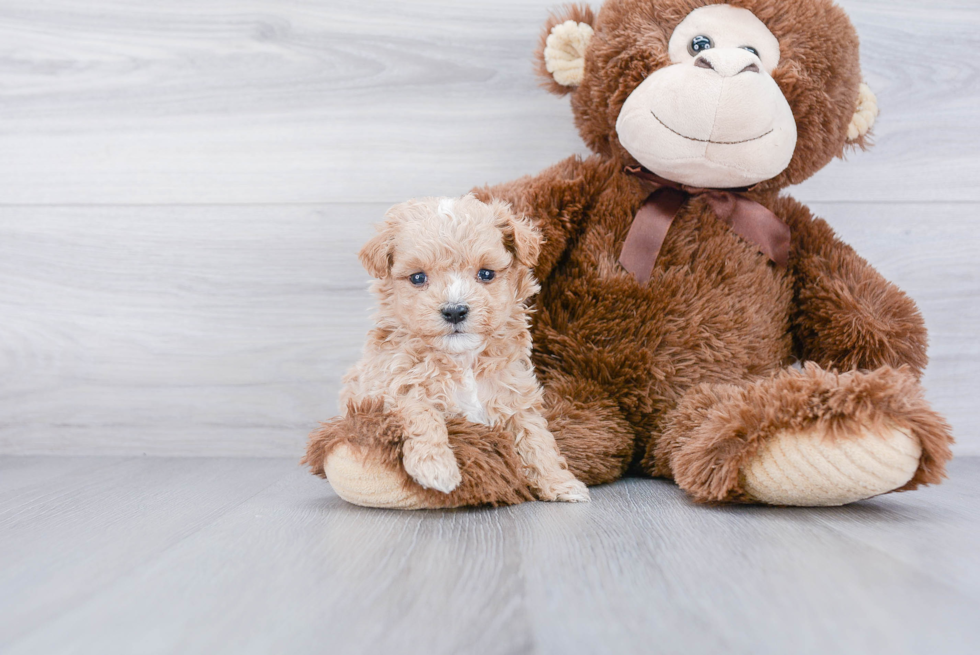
{"x": 455, "y": 314}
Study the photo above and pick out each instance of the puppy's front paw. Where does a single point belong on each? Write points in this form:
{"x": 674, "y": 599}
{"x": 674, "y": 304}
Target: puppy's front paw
{"x": 433, "y": 467}
{"x": 564, "y": 488}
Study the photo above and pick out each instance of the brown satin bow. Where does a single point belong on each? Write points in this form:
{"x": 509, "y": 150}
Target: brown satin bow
{"x": 747, "y": 218}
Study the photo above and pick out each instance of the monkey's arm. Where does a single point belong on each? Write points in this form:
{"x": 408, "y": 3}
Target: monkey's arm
{"x": 847, "y": 315}
{"x": 558, "y": 200}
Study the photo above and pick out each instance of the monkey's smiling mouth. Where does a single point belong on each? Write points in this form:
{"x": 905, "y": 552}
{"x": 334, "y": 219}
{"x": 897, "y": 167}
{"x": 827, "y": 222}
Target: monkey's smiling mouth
{"x": 720, "y": 143}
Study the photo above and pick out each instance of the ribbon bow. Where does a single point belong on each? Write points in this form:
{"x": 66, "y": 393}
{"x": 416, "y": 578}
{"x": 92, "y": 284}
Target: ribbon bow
{"x": 747, "y": 218}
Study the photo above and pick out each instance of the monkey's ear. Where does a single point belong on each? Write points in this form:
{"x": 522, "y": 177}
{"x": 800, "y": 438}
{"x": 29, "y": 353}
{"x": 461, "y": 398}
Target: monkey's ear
{"x": 864, "y": 116}
{"x": 520, "y": 237}
{"x": 561, "y": 51}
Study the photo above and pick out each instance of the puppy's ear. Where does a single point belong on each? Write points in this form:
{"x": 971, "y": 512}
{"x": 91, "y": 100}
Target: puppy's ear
{"x": 378, "y": 254}
{"x": 520, "y": 237}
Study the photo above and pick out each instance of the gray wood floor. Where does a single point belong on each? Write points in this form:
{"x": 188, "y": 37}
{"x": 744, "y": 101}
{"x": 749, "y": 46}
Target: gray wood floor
{"x": 110, "y": 555}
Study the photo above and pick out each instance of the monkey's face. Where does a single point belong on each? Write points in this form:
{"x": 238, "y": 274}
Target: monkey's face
{"x": 714, "y": 117}
{"x": 712, "y": 94}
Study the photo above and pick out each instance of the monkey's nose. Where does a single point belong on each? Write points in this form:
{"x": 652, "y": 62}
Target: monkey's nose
{"x": 728, "y": 62}
{"x": 455, "y": 313}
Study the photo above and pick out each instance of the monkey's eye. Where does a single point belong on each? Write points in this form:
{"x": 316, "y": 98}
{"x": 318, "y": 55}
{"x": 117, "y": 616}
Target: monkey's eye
{"x": 418, "y": 279}
{"x": 751, "y": 49}
{"x": 699, "y": 44}
{"x": 485, "y": 275}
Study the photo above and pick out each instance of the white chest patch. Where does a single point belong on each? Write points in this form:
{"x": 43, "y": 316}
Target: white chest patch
{"x": 467, "y": 399}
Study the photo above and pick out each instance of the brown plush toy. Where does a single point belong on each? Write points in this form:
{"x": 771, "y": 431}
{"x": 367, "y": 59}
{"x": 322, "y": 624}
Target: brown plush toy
{"x": 679, "y": 286}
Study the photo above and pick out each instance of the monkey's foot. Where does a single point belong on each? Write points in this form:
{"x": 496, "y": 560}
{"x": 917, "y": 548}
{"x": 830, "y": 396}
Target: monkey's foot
{"x": 812, "y": 468}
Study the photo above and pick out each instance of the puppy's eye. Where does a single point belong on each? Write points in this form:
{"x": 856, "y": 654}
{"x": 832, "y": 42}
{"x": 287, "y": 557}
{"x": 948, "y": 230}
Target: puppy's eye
{"x": 418, "y": 279}
{"x": 751, "y": 49}
{"x": 699, "y": 44}
{"x": 485, "y": 275}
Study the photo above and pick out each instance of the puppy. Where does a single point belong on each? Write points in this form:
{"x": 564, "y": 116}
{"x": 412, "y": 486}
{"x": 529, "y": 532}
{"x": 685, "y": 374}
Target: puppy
{"x": 452, "y": 339}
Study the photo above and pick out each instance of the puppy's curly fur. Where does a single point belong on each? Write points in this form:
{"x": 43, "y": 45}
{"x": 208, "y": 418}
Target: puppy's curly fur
{"x": 452, "y": 339}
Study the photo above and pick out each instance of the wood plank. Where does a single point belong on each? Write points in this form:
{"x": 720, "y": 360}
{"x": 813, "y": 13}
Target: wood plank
{"x": 177, "y": 330}
{"x": 936, "y": 529}
{"x": 225, "y": 330}
{"x": 294, "y": 569}
{"x": 18, "y": 475}
{"x": 655, "y": 571}
{"x": 328, "y": 576}
{"x": 920, "y": 117}
{"x": 69, "y": 538}
{"x": 312, "y": 101}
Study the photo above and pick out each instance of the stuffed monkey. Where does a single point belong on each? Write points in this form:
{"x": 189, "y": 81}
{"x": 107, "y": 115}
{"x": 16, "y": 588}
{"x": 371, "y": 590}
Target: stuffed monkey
{"x": 695, "y": 323}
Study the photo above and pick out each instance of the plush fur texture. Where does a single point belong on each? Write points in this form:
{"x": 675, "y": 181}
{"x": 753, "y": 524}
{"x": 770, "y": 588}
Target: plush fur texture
{"x": 714, "y": 118}
{"x": 684, "y": 376}
{"x": 716, "y": 428}
{"x": 492, "y": 472}
{"x": 819, "y": 71}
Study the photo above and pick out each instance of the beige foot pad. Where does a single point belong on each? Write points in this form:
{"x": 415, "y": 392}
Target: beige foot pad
{"x": 366, "y": 483}
{"x": 809, "y": 469}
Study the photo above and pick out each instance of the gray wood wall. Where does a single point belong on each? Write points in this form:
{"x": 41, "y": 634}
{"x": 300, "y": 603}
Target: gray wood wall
{"x": 183, "y": 186}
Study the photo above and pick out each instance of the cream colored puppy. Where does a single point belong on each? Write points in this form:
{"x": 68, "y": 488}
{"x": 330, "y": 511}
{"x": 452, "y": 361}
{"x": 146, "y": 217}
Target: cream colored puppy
{"x": 452, "y": 338}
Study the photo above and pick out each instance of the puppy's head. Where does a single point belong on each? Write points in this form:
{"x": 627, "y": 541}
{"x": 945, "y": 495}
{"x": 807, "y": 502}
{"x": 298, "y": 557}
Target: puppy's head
{"x": 452, "y": 271}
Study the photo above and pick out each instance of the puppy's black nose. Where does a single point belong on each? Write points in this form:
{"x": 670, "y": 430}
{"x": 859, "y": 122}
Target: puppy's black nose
{"x": 455, "y": 313}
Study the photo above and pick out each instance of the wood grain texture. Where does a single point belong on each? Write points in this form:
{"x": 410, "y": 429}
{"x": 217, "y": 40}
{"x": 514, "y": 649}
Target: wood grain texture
{"x": 182, "y": 190}
{"x": 168, "y": 284}
{"x": 255, "y": 556}
{"x": 225, "y": 330}
{"x": 70, "y": 537}
{"x": 201, "y": 330}
{"x": 326, "y": 101}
